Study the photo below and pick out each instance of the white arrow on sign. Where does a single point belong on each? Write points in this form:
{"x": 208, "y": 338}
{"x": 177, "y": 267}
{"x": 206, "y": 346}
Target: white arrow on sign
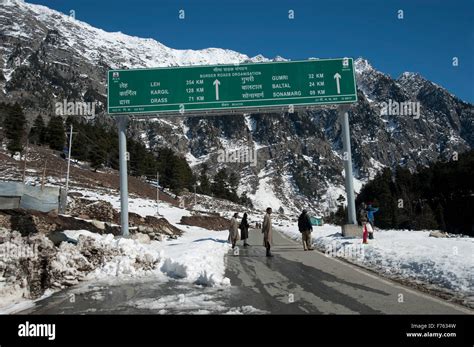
{"x": 217, "y": 83}
{"x": 338, "y": 77}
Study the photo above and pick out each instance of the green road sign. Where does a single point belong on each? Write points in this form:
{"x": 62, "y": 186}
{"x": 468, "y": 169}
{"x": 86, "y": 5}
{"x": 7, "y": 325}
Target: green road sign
{"x": 221, "y": 87}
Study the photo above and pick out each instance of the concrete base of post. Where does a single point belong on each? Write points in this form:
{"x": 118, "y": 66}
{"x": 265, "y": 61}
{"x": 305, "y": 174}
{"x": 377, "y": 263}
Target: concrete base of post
{"x": 352, "y": 230}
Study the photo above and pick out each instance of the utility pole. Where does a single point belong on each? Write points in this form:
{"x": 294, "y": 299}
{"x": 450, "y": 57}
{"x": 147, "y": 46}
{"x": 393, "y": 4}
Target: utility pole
{"x": 68, "y": 161}
{"x": 122, "y": 122}
{"x": 157, "y": 193}
{"x": 24, "y": 161}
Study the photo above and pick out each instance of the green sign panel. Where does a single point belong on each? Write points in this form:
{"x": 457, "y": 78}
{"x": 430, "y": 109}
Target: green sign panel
{"x": 221, "y": 87}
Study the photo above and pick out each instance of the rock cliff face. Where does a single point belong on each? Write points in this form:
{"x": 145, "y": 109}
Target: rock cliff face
{"x": 46, "y": 56}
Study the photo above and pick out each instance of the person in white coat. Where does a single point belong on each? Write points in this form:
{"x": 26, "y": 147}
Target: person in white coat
{"x": 234, "y": 230}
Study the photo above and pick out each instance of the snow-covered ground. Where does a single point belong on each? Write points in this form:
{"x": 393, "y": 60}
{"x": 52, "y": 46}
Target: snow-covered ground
{"x": 443, "y": 263}
{"x": 198, "y": 256}
{"x": 195, "y": 257}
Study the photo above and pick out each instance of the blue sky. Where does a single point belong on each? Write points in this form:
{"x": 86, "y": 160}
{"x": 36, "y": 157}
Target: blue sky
{"x": 425, "y": 41}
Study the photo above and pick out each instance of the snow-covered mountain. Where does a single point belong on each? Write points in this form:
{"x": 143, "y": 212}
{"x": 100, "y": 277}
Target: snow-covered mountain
{"x": 47, "y": 56}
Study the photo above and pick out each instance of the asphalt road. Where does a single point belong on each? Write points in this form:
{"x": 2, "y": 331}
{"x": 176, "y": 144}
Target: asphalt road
{"x": 295, "y": 281}
{"x": 292, "y": 282}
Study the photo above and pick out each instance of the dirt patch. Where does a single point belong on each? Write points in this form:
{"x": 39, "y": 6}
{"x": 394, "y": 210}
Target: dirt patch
{"x": 155, "y": 228}
{"x": 31, "y": 222}
{"x": 99, "y": 210}
{"x": 206, "y": 222}
{"x": 134, "y": 219}
{"x": 163, "y": 225}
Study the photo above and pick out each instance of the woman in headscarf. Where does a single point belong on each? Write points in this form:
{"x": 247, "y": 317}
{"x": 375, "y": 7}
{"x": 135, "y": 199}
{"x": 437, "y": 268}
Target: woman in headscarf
{"x": 244, "y": 229}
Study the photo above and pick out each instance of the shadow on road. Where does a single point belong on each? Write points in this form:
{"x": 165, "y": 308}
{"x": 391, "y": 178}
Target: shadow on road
{"x": 210, "y": 239}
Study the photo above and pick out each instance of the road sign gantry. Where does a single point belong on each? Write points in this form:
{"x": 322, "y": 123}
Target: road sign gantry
{"x": 216, "y": 89}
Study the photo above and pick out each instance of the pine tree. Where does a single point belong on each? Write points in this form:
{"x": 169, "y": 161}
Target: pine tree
{"x": 404, "y": 195}
{"x": 97, "y": 157}
{"x": 175, "y": 172}
{"x": 37, "y": 134}
{"x": 233, "y": 185}
{"x": 56, "y": 133}
{"x": 426, "y": 218}
{"x": 219, "y": 184}
{"x": 245, "y": 200}
{"x": 439, "y": 213}
{"x": 80, "y": 146}
{"x": 204, "y": 184}
{"x": 233, "y": 181}
{"x": 380, "y": 192}
{"x": 340, "y": 217}
{"x": 14, "y": 125}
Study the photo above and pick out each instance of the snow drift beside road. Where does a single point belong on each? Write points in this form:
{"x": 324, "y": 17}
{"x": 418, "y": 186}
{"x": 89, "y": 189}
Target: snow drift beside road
{"x": 196, "y": 257}
{"x": 444, "y": 263}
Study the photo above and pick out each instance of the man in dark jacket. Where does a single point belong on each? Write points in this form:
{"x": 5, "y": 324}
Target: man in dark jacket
{"x": 305, "y": 228}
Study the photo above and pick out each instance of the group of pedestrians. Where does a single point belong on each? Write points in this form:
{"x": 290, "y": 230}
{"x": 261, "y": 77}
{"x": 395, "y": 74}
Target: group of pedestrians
{"x": 234, "y": 235}
{"x": 366, "y": 218}
{"x": 244, "y": 226}
{"x": 304, "y": 226}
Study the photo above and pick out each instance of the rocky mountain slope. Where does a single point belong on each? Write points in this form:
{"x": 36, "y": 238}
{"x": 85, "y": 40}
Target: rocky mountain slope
{"x": 47, "y": 56}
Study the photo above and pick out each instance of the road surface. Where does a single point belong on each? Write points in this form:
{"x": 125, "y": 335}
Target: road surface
{"x": 295, "y": 281}
{"x": 292, "y": 282}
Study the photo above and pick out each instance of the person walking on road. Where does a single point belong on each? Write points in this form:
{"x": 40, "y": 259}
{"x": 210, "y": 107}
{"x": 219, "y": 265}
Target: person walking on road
{"x": 267, "y": 231}
{"x": 234, "y": 230}
{"x": 370, "y": 216}
{"x": 363, "y": 221}
{"x": 244, "y": 229}
{"x": 305, "y": 228}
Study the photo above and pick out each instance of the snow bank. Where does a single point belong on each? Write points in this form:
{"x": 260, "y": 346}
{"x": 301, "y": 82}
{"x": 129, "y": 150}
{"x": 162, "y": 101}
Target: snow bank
{"x": 445, "y": 263}
{"x": 196, "y": 257}
{"x": 30, "y": 266}
{"x": 21, "y": 267}
{"x": 131, "y": 258}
